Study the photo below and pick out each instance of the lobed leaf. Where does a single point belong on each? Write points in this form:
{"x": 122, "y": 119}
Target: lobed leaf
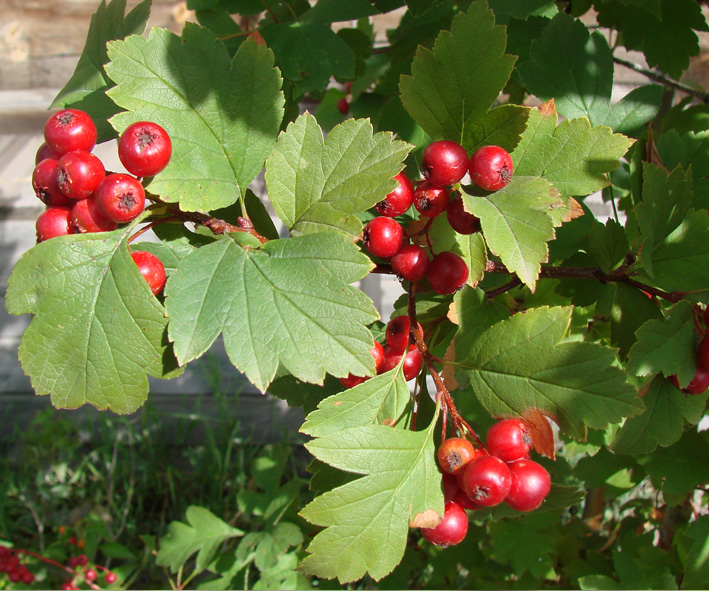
{"x": 222, "y": 114}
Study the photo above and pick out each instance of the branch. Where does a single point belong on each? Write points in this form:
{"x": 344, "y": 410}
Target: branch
{"x": 664, "y": 80}
{"x": 216, "y": 225}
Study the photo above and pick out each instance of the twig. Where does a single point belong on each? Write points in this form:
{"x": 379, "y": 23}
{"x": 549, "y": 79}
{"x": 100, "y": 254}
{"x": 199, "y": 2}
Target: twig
{"x": 664, "y": 80}
{"x": 217, "y": 225}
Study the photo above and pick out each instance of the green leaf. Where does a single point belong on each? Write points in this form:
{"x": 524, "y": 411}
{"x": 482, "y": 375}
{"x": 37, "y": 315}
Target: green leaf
{"x": 318, "y": 184}
{"x": 275, "y": 543}
{"x": 635, "y": 110}
{"x": 523, "y": 9}
{"x": 666, "y": 345}
{"x": 521, "y": 363}
{"x": 662, "y": 422}
{"x": 516, "y": 224}
{"x": 572, "y": 156}
{"x": 668, "y": 41}
{"x": 696, "y": 572}
{"x": 97, "y": 328}
{"x": 222, "y": 115}
{"x": 335, "y": 11}
{"x": 203, "y": 533}
{"x": 367, "y": 521}
{"x": 470, "y": 247}
{"x": 502, "y": 126}
{"x": 284, "y": 304}
{"x": 385, "y": 397}
{"x": 309, "y": 54}
{"x": 689, "y": 149}
{"x": 454, "y": 85}
{"x": 86, "y": 89}
{"x": 681, "y": 260}
{"x": 630, "y": 309}
{"x": 573, "y": 67}
{"x": 608, "y": 244}
{"x": 525, "y": 544}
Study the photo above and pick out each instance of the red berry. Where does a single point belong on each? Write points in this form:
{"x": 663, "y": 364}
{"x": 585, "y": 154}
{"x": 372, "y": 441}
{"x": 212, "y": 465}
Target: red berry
{"x": 73, "y": 561}
{"x": 27, "y": 577}
{"x": 491, "y": 168}
{"x": 454, "y": 454}
{"x": 459, "y": 219}
{"x": 351, "y": 381}
{"x": 399, "y": 200}
{"x": 152, "y": 270}
{"x": 466, "y": 502}
{"x": 5, "y": 552}
{"x": 487, "y": 480}
{"x": 144, "y": 148}
{"x": 16, "y": 575}
{"x": 343, "y": 106}
{"x": 72, "y": 541}
{"x": 703, "y": 354}
{"x": 45, "y": 183}
{"x": 444, "y": 163}
{"x": 85, "y": 218}
{"x": 430, "y": 201}
{"x": 44, "y": 152}
{"x": 383, "y": 237}
{"x": 120, "y": 197}
{"x": 378, "y": 353}
{"x": 78, "y": 174}
{"x": 70, "y": 130}
{"x": 508, "y": 440}
{"x": 447, "y": 273}
{"x": 90, "y": 574}
{"x": 530, "y": 485}
{"x": 451, "y": 530}
{"x": 412, "y": 364}
{"x": 450, "y": 486}
{"x": 54, "y": 221}
{"x": 410, "y": 263}
{"x": 699, "y": 383}
{"x": 110, "y": 578}
{"x": 82, "y": 559}
{"x": 397, "y": 332}
{"x": 706, "y": 316}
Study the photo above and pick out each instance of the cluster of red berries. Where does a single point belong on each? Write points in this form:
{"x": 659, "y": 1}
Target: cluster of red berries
{"x": 387, "y": 357}
{"x": 89, "y": 575}
{"x": 475, "y": 478}
{"x": 700, "y": 381}
{"x": 10, "y": 565}
{"x": 444, "y": 163}
{"x": 80, "y": 197}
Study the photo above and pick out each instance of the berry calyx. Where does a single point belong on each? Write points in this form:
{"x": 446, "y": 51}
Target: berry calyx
{"x": 399, "y": 200}
{"x": 454, "y": 454}
{"x": 144, "y": 148}
{"x": 509, "y": 440}
{"x": 52, "y": 222}
{"x": 447, "y": 273}
{"x": 459, "y": 219}
{"x": 431, "y": 201}
{"x": 491, "y": 168}
{"x": 487, "y": 480}
{"x": 444, "y": 162}
{"x": 120, "y": 197}
{"x": 152, "y": 270}
{"x": 451, "y": 530}
{"x": 530, "y": 485}
{"x": 79, "y": 173}
{"x": 383, "y": 237}
{"x": 85, "y": 218}
{"x": 69, "y": 130}
{"x": 410, "y": 263}
{"x": 397, "y": 333}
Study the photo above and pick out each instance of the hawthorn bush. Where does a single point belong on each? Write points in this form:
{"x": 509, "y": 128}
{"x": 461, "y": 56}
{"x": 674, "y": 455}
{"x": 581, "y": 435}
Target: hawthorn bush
{"x": 521, "y": 304}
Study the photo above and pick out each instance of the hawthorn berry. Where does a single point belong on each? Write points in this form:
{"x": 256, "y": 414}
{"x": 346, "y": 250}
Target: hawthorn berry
{"x": 90, "y": 574}
{"x": 46, "y": 184}
{"x": 86, "y": 218}
{"x": 451, "y": 530}
{"x": 444, "y": 162}
{"x": 703, "y": 353}
{"x": 110, "y": 578}
{"x": 399, "y": 200}
{"x": 120, "y": 197}
{"x": 530, "y": 485}
{"x": 487, "y": 480}
{"x": 383, "y": 237}
{"x": 698, "y": 385}
{"x": 53, "y": 221}
{"x": 397, "y": 333}
{"x": 410, "y": 263}
{"x": 44, "y": 152}
{"x": 459, "y": 219}
{"x": 144, "y": 148}
{"x": 413, "y": 363}
{"x": 431, "y": 201}
{"x": 491, "y": 168}
{"x": 447, "y": 273}
{"x": 509, "y": 440}
{"x": 377, "y": 352}
{"x": 343, "y": 106}
{"x": 69, "y": 130}
{"x": 78, "y": 173}
{"x": 454, "y": 454}
{"x": 152, "y": 270}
